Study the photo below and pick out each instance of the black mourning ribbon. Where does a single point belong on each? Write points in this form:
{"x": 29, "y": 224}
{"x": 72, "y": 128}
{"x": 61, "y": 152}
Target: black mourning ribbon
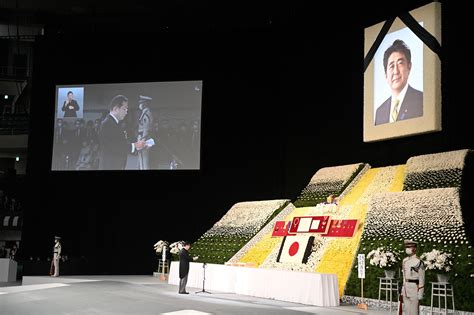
{"x": 425, "y": 36}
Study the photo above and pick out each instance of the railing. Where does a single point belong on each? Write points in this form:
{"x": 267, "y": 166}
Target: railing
{"x": 13, "y": 131}
{"x": 14, "y": 124}
{"x": 11, "y": 71}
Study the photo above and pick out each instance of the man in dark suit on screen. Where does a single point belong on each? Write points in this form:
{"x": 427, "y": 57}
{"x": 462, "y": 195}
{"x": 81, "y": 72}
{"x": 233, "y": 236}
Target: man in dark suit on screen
{"x": 70, "y": 106}
{"x": 114, "y": 145}
{"x": 405, "y": 101}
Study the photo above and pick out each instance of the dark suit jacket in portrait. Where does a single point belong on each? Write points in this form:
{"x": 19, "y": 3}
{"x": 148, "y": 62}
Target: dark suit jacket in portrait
{"x": 184, "y": 260}
{"x": 70, "y": 112}
{"x": 411, "y": 107}
{"x": 114, "y": 146}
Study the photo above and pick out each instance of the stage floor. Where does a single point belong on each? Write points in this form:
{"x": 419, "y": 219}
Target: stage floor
{"x": 138, "y": 295}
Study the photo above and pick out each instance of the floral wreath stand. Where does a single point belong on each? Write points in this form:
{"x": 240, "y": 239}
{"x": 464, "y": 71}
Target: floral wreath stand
{"x": 389, "y": 273}
{"x": 163, "y": 267}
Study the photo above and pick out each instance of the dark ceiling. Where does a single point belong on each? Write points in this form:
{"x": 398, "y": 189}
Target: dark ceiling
{"x": 202, "y": 15}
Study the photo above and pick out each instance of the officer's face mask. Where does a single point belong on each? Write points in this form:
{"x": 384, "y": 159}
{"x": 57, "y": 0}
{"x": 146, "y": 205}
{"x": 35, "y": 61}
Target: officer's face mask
{"x": 409, "y": 251}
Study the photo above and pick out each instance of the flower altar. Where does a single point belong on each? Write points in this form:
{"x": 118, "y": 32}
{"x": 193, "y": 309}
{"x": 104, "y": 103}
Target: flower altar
{"x": 436, "y": 170}
{"x": 265, "y": 236}
{"x": 429, "y": 212}
{"x": 339, "y": 254}
{"x": 235, "y": 229}
{"x": 328, "y": 181}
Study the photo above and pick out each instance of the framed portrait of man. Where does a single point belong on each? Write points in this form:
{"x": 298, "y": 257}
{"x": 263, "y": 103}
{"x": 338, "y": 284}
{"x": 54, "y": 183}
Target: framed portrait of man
{"x": 402, "y": 81}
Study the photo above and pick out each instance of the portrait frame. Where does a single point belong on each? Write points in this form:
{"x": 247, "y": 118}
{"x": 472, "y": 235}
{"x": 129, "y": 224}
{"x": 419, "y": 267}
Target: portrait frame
{"x": 425, "y": 77}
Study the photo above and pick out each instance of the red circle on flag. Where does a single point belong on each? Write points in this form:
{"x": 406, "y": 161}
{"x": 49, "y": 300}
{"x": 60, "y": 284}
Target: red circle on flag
{"x": 294, "y": 249}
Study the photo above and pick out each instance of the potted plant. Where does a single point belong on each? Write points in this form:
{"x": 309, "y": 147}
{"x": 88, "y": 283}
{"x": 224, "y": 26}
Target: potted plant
{"x": 386, "y": 259}
{"x": 439, "y": 261}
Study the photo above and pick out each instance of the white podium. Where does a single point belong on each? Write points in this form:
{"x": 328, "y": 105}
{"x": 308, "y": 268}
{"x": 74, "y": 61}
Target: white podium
{"x": 7, "y": 270}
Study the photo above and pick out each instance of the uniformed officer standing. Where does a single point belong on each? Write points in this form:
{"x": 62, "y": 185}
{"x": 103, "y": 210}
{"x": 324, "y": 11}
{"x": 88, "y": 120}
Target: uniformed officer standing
{"x": 145, "y": 125}
{"x": 413, "y": 279}
{"x": 56, "y": 255}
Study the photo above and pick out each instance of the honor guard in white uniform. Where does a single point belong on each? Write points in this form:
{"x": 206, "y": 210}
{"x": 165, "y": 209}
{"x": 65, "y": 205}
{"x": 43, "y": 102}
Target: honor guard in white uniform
{"x": 56, "y": 255}
{"x": 145, "y": 125}
{"x": 413, "y": 279}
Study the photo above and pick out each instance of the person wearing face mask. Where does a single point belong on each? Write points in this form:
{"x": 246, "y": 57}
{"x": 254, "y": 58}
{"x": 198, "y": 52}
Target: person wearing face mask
{"x": 54, "y": 272}
{"x": 413, "y": 279}
{"x": 61, "y": 137}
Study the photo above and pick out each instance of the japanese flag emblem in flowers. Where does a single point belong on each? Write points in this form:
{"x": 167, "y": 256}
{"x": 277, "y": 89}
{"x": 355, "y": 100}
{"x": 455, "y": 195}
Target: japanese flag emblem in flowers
{"x": 295, "y": 249}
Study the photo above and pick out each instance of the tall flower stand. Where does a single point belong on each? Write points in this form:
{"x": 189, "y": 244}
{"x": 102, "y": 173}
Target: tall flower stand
{"x": 444, "y": 291}
{"x": 163, "y": 269}
{"x": 163, "y": 265}
{"x": 387, "y": 285}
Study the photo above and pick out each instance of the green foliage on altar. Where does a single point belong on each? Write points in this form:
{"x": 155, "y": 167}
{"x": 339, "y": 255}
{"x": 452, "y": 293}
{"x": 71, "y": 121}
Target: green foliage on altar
{"x": 218, "y": 249}
{"x": 433, "y": 179}
{"x": 319, "y": 188}
{"x": 228, "y": 236}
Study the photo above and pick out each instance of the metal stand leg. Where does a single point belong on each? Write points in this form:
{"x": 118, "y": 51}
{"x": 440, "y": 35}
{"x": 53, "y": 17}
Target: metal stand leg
{"x": 203, "y": 280}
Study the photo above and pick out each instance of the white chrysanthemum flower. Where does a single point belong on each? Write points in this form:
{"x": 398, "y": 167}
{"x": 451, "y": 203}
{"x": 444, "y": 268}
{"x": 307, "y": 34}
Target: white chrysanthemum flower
{"x": 335, "y": 173}
{"x": 437, "y": 161}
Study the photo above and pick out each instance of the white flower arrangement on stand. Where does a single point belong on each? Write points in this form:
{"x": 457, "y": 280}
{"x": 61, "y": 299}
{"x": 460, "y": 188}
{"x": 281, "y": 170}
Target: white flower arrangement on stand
{"x": 385, "y": 259}
{"x": 437, "y": 260}
{"x": 176, "y": 247}
{"x": 159, "y": 246}
{"x": 160, "y": 249}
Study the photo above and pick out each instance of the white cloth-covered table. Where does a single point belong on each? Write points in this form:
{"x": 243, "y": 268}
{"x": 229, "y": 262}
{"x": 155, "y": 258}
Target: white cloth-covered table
{"x": 291, "y": 286}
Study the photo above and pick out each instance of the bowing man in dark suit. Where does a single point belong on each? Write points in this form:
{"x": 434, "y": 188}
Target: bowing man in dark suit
{"x": 184, "y": 260}
{"x": 405, "y": 101}
{"x": 114, "y": 145}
